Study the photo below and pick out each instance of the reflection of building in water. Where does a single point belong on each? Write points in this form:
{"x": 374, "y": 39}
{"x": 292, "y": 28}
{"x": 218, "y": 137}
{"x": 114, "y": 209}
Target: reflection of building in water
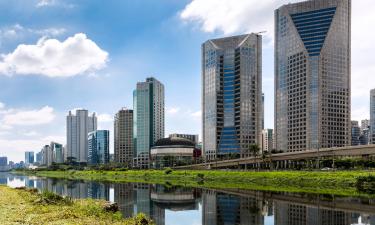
{"x": 98, "y": 190}
{"x": 144, "y": 204}
{"x": 3, "y": 180}
{"x": 294, "y": 214}
{"x": 220, "y": 208}
{"x": 124, "y": 196}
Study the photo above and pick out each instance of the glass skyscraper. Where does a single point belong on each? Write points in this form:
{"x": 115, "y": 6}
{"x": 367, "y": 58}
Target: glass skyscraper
{"x": 372, "y": 117}
{"x": 29, "y": 157}
{"x": 78, "y": 127}
{"x": 232, "y": 95}
{"x": 98, "y": 147}
{"x": 312, "y": 75}
{"x": 148, "y": 119}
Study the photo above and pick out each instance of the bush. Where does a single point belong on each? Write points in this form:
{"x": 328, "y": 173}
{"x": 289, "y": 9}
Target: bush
{"x": 48, "y": 197}
{"x": 366, "y": 184}
{"x": 200, "y": 176}
{"x": 168, "y": 170}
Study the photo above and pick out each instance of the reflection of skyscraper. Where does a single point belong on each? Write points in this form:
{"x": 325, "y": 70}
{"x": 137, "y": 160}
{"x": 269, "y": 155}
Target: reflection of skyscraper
{"x": 295, "y": 214}
{"x": 209, "y": 214}
{"x": 98, "y": 190}
{"x": 124, "y": 196}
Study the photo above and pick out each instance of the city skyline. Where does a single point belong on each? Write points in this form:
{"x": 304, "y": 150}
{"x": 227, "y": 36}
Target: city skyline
{"x": 34, "y": 103}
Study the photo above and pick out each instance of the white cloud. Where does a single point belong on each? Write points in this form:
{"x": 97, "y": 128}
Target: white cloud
{"x": 42, "y": 3}
{"x": 52, "y": 58}
{"x": 29, "y": 117}
{"x": 105, "y": 118}
{"x": 172, "y": 110}
{"x": 49, "y": 3}
{"x": 197, "y": 114}
{"x": 17, "y": 30}
{"x": 229, "y": 16}
{"x": 2, "y": 105}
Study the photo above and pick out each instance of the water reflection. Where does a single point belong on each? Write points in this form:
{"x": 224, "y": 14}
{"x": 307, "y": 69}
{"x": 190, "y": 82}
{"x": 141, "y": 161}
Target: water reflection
{"x": 171, "y": 205}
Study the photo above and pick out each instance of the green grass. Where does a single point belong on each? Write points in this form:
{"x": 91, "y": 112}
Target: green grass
{"x": 27, "y": 206}
{"x": 321, "y": 182}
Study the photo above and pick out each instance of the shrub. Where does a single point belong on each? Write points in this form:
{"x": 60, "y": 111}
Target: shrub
{"x": 48, "y": 197}
{"x": 200, "y": 176}
{"x": 366, "y": 184}
{"x": 168, "y": 170}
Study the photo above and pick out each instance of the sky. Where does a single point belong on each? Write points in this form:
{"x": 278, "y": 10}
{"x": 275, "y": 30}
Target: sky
{"x": 60, "y": 55}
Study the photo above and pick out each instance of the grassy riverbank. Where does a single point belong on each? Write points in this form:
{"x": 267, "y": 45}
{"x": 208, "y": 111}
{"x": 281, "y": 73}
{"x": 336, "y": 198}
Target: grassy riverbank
{"x": 327, "y": 182}
{"x": 21, "y": 206}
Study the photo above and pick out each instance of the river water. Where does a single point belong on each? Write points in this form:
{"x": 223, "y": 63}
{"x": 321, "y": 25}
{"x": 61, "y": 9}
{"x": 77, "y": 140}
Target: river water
{"x": 177, "y": 205}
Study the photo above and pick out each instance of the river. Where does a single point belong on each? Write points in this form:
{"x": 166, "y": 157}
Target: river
{"x": 178, "y": 205}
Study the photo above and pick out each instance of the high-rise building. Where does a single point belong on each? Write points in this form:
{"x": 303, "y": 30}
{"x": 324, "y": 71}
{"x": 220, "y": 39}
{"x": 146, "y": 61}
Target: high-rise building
{"x": 365, "y": 124}
{"x": 192, "y": 137}
{"x": 47, "y": 156}
{"x": 39, "y": 157}
{"x": 123, "y": 137}
{"x": 372, "y": 116}
{"x": 29, "y": 157}
{"x": 98, "y": 147}
{"x": 356, "y": 133}
{"x": 57, "y": 152}
{"x": 78, "y": 127}
{"x": 3, "y": 161}
{"x": 267, "y": 140}
{"x": 232, "y": 95}
{"x": 312, "y": 75}
{"x": 148, "y": 119}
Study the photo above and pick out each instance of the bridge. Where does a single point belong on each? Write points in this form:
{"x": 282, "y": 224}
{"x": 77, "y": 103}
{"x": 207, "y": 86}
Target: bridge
{"x": 288, "y": 159}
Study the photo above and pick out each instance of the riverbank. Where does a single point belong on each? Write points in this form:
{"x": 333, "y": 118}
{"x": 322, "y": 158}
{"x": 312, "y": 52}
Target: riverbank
{"x": 27, "y": 206}
{"x": 343, "y": 183}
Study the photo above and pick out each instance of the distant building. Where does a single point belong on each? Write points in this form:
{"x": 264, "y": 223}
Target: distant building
{"x": 123, "y": 137}
{"x": 192, "y": 137}
{"x": 57, "y": 152}
{"x": 267, "y": 140}
{"x": 98, "y": 147}
{"x": 232, "y": 95}
{"x": 173, "y": 151}
{"x": 372, "y": 116}
{"x": 78, "y": 127}
{"x": 148, "y": 119}
{"x": 3, "y": 161}
{"x": 356, "y": 133}
{"x": 312, "y": 75}
{"x": 365, "y": 124}
{"x": 364, "y": 137}
{"x": 46, "y": 156}
{"x": 39, "y": 157}
{"x": 29, "y": 157}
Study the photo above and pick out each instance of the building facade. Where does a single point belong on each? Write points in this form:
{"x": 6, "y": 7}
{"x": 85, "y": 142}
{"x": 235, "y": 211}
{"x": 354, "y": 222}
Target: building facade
{"x": 192, "y": 137}
{"x": 267, "y": 140}
{"x": 372, "y": 116}
{"x": 57, "y": 152}
{"x": 356, "y": 133}
{"x": 3, "y": 161}
{"x": 29, "y": 158}
{"x": 123, "y": 137}
{"x": 78, "y": 127}
{"x": 312, "y": 75}
{"x": 98, "y": 147}
{"x": 231, "y": 95}
{"x": 148, "y": 119}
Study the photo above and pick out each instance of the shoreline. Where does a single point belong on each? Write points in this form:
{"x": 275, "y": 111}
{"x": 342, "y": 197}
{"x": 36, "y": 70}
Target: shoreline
{"x": 27, "y": 206}
{"x": 342, "y": 183}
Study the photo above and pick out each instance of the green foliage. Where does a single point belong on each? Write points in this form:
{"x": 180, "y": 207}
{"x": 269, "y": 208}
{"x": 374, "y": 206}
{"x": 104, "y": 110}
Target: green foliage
{"x": 168, "y": 171}
{"x": 366, "y": 184}
{"x": 47, "y": 197}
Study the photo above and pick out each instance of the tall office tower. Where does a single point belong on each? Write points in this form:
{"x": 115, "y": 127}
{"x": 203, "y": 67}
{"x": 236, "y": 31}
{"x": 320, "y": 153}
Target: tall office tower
{"x": 78, "y": 127}
{"x": 312, "y": 75}
{"x": 39, "y": 157}
{"x": 148, "y": 119}
{"x": 123, "y": 137}
{"x": 98, "y": 147}
{"x": 365, "y": 124}
{"x": 231, "y": 95}
{"x": 29, "y": 157}
{"x": 267, "y": 140}
{"x": 47, "y": 155}
{"x": 356, "y": 133}
{"x": 57, "y": 152}
{"x": 262, "y": 111}
{"x": 3, "y": 161}
{"x": 372, "y": 116}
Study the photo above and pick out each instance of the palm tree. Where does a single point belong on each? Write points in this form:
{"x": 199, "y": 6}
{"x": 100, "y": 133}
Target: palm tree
{"x": 254, "y": 149}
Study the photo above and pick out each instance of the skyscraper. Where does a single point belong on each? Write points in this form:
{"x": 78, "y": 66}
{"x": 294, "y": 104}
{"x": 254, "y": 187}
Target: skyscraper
{"x": 372, "y": 116}
{"x": 312, "y": 75}
{"x": 29, "y": 157}
{"x": 267, "y": 140}
{"x": 356, "y": 133}
{"x": 57, "y": 152}
{"x": 78, "y": 127}
{"x": 123, "y": 137}
{"x": 98, "y": 147}
{"x": 148, "y": 119}
{"x": 232, "y": 95}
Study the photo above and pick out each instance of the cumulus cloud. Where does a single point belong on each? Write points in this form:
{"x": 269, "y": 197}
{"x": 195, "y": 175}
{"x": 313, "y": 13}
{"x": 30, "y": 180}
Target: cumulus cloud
{"x": 29, "y": 117}
{"x": 52, "y": 58}
{"x": 49, "y": 3}
{"x": 172, "y": 110}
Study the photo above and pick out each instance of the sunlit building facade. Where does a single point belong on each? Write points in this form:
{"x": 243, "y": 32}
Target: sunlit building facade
{"x": 231, "y": 95}
{"x": 123, "y": 137}
{"x": 312, "y": 75}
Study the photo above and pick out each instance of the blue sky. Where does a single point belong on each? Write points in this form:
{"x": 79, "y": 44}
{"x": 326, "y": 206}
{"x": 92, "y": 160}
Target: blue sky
{"x": 58, "y": 55}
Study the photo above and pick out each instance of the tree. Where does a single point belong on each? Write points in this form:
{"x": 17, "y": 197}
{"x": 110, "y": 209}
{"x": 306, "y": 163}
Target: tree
{"x": 254, "y": 149}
